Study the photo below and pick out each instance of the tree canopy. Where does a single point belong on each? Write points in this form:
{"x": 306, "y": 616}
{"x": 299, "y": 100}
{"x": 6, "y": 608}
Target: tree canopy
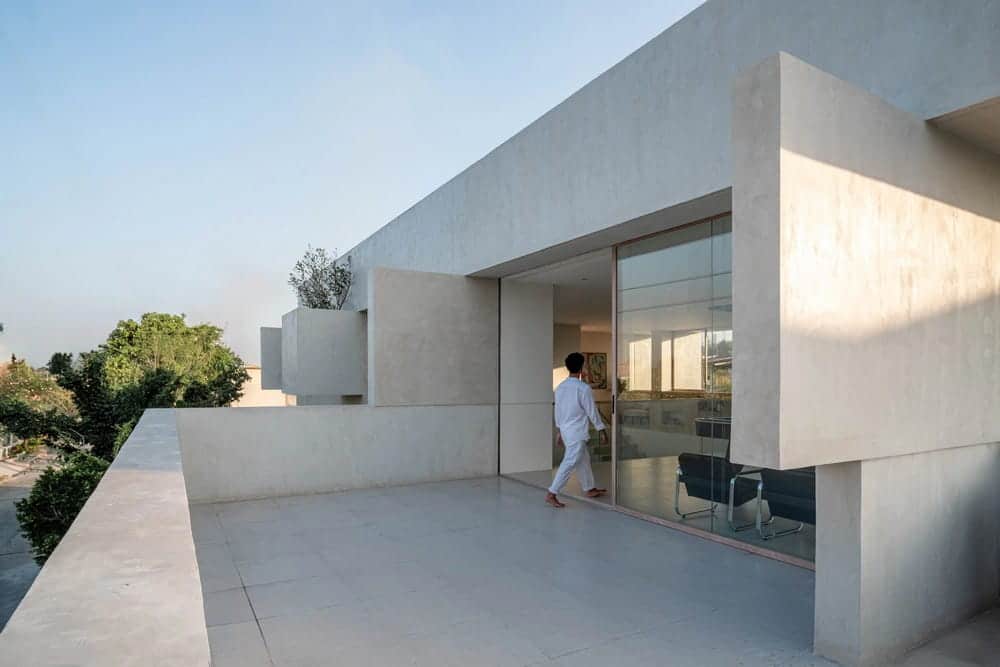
{"x": 173, "y": 363}
{"x": 159, "y": 361}
{"x": 33, "y": 405}
{"x": 38, "y": 389}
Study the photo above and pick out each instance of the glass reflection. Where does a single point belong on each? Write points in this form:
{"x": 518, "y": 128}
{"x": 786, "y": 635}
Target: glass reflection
{"x": 674, "y": 375}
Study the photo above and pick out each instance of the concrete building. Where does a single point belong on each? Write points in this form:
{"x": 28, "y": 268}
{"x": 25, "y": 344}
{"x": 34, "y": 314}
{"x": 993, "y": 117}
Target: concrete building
{"x": 773, "y": 230}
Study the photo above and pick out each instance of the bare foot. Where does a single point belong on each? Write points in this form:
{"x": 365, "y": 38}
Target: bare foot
{"x": 596, "y": 493}
{"x": 551, "y": 499}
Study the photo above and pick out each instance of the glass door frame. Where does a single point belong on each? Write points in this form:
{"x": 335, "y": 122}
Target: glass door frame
{"x": 613, "y": 372}
{"x": 613, "y": 375}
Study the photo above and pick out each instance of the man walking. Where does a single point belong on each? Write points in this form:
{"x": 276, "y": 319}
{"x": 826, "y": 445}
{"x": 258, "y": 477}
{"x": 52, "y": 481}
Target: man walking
{"x": 575, "y": 407}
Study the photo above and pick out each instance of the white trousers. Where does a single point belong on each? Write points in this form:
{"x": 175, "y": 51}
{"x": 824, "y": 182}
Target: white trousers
{"x": 577, "y": 458}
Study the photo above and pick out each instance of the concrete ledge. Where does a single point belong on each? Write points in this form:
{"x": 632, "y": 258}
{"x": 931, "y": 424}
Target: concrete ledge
{"x": 123, "y": 587}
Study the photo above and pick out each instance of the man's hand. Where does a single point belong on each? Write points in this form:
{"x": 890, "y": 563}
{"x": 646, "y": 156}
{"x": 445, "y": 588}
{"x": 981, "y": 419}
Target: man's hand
{"x": 603, "y": 436}
{"x": 559, "y": 442}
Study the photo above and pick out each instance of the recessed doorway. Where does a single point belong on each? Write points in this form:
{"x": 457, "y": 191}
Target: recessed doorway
{"x": 579, "y": 320}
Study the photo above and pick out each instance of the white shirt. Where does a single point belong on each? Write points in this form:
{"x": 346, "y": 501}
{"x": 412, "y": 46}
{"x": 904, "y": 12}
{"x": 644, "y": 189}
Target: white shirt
{"x": 574, "y": 407}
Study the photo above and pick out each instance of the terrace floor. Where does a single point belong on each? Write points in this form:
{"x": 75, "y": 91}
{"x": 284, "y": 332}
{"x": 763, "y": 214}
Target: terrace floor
{"x": 480, "y": 572}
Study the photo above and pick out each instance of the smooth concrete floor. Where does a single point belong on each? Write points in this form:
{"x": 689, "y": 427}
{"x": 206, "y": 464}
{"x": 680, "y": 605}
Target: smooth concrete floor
{"x": 481, "y": 572}
{"x": 647, "y": 486}
{"x": 17, "y": 566}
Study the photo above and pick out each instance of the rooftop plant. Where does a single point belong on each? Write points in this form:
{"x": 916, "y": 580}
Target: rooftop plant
{"x": 320, "y": 281}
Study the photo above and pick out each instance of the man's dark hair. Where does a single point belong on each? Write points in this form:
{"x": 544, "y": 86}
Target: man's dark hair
{"x": 574, "y": 362}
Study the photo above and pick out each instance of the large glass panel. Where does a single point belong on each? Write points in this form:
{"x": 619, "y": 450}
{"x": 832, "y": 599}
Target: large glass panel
{"x": 674, "y": 381}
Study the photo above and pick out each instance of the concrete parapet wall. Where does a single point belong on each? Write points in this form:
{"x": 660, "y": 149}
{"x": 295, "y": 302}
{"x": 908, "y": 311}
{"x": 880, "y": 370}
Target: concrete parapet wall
{"x": 122, "y": 588}
{"x": 263, "y": 452}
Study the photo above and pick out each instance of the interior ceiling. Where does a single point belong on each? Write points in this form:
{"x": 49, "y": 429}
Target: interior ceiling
{"x": 582, "y": 293}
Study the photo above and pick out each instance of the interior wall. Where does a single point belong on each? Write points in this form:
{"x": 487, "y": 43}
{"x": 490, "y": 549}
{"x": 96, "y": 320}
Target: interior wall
{"x": 526, "y": 343}
{"x": 599, "y": 341}
{"x": 566, "y": 339}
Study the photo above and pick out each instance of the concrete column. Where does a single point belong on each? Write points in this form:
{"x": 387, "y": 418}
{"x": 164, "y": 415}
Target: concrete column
{"x": 906, "y": 547}
{"x": 526, "y": 347}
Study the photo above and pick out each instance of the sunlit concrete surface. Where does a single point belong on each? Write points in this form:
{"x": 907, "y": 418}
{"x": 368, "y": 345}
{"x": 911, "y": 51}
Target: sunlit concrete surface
{"x": 482, "y": 573}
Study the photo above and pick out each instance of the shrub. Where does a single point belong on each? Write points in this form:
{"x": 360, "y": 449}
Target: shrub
{"x": 55, "y": 500}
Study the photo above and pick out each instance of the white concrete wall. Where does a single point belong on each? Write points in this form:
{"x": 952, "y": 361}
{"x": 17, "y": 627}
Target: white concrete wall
{"x": 526, "y": 332}
{"x": 866, "y": 303}
{"x": 906, "y": 547}
{"x": 264, "y": 452}
{"x": 653, "y": 132}
{"x": 270, "y": 357}
{"x": 122, "y": 587}
{"x": 866, "y": 279}
{"x": 432, "y": 339}
{"x": 323, "y": 353}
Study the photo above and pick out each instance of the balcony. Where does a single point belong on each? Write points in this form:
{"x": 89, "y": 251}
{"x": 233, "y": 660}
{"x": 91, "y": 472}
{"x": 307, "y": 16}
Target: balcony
{"x": 160, "y": 569}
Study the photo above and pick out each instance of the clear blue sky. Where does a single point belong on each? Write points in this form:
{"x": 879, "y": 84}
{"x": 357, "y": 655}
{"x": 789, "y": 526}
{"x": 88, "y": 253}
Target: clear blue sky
{"x": 178, "y": 156}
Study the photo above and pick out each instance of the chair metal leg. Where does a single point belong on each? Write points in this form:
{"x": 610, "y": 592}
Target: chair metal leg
{"x": 732, "y": 496}
{"x": 782, "y": 533}
{"x": 761, "y": 523}
{"x": 677, "y": 500}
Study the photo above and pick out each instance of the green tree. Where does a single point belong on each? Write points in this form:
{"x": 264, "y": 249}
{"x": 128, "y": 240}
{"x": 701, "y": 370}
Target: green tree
{"x": 158, "y": 361}
{"x": 34, "y": 406}
{"x": 185, "y": 366}
{"x": 38, "y": 389}
{"x": 97, "y": 403}
{"x": 55, "y": 500}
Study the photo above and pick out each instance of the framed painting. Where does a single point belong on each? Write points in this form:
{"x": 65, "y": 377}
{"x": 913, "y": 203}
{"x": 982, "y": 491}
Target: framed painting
{"x": 595, "y": 369}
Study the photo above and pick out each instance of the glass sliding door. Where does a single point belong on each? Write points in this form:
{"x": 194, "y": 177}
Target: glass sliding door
{"x": 674, "y": 361}
{"x": 667, "y": 346}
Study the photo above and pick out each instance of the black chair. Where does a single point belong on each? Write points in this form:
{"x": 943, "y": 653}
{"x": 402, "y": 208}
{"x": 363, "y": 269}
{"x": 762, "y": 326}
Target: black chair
{"x": 790, "y": 494}
{"x": 712, "y": 478}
